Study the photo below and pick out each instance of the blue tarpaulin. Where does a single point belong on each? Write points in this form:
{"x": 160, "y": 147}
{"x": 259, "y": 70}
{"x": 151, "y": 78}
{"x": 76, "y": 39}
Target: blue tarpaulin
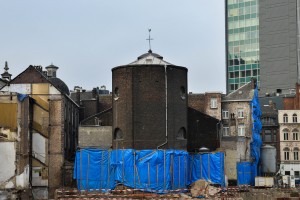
{"x": 256, "y": 142}
{"x": 152, "y": 170}
{"x": 244, "y": 173}
{"x": 247, "y": 171}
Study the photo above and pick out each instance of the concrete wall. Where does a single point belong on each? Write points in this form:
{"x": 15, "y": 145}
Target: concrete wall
{"x": 95, "y": 136}
{"x": 7, "y": 164}
{"x": 278, "y": 45}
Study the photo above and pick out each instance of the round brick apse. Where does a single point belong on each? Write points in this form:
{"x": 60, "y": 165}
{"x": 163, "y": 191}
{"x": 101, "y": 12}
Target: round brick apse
{"x": 149, "y": 105}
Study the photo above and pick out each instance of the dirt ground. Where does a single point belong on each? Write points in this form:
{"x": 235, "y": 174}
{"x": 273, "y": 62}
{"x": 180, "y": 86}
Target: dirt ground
{"x": 231, "y": 193}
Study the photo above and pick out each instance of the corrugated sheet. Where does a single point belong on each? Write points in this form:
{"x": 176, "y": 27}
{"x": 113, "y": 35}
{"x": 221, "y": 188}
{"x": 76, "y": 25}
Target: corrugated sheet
{"x": 8, "y": 115}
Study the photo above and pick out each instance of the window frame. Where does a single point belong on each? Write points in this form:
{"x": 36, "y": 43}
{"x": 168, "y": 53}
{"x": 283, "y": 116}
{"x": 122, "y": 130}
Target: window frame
{"x": 227, "y": 130}
{"x": 295, "y": 118}
{"x": 296, "y": 153}
{"x": 295, "y": 135}
{"x": 286, "y": 153}
{"x": 225, "y": 114}
{"x": 285, "y": 118}
{"x": 285, "y": 136}
{"x": 240, "y": 113}
{"x": 213, "y": 103}
{"x": 241, "y": 130}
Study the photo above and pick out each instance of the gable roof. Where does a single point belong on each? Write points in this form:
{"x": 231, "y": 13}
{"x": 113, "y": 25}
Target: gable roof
{"x": 38, "y": 76}
{"x": 244, "y": 93}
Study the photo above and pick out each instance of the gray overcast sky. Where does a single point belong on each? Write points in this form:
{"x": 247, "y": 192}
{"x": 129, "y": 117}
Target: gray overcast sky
{"x": 86, "y": 38}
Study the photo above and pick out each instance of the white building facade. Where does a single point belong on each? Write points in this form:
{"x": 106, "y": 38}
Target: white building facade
{"x": 289, "y": 126}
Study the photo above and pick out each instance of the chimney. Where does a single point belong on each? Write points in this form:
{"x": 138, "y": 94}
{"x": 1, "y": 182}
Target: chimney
{"x": 51, "y": 71}
{"x": 253, "y": 83}
{"x": 272, "y": 104}
{"x": 6, "y": 75}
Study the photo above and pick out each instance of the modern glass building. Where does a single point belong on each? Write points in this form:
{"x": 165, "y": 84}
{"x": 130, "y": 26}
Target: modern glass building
{"x": 242, "y": 43}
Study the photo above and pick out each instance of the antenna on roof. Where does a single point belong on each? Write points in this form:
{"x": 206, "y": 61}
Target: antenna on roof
{"x": 149, "y": 39}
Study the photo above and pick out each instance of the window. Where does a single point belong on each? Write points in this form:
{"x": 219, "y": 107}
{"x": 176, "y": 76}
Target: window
{"x": 294, "y": 118}
{"x": 286, "y": 151}
{"x": 213, "y": 103}
{"x": 285, "y": 118}
{"x": 296, "y": 153}
{"x": 268, "y": 136}
{"x": 285, "y": 136}
{"x": 274, "y": 135}
{"x": 118, "y": 134}
{"x": 182, "y": 92}
{"x": 116, "y": 93}
{"x": 241, "y": 130}
{"x": 181, "y": 135}
{"x": 225, "y": 114}
{"x": 295, "y": 134}
{"x": 287, "y": 173}
{"x": 240, "y": 113}
{"x": 225, "y": 131}
{"x": 267, "y": 120}
{"x": 297, "y": 174}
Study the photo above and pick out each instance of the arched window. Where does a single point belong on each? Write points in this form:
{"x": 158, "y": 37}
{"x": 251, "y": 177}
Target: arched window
{"x": 116, "y": 93}
{"x": 296, "y": 153}
{"x": 285, "y": 134}
{"x": 181, "y": 135}
{"x": 118, "y": 134}
{"x": 295, "y": 134}
{"x": 182, "y": 92}
{"x": 286, "y": 152}
{"x": 285, "y": 118}
{"x": 294, "y": 118}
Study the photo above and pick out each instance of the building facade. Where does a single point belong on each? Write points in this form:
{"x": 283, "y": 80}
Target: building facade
{"x": 237, "y": 128}
{"x": 149, "y": 104}
{"x": 242, "y": 43}
{"x": 289, "y": 126}
{"x": 279, "y": 45}
{"x": 54, "y": 128}
{"x": 262, "y": 42}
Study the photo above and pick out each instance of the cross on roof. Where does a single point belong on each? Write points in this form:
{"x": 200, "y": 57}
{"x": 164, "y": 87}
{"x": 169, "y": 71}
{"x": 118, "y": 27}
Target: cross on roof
{"x": 149, "y": 39}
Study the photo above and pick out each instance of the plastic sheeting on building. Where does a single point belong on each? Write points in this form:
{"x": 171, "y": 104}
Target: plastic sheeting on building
{"x": 150, "y": 170}
{"x": 256, "y": 142}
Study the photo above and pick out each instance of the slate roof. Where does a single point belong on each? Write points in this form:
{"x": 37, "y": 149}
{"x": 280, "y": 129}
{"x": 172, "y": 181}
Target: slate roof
{"x": 278, "y": 100}
{"x": 244, "y": 93}
{"x": 58, "y": 83}
{"x": 150, "y": 58}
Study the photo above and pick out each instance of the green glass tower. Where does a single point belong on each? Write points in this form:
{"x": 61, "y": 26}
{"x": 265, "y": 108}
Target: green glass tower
{"x": 242, "y": 43}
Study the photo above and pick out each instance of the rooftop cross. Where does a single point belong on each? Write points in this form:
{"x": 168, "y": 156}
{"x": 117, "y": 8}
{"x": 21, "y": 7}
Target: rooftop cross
{"x": 149, "y": 39}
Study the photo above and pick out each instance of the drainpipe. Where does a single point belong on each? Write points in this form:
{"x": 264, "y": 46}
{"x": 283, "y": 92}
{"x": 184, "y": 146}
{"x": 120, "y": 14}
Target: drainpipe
{"x": 166, "y": 93}
{"x": 219, "y": 132}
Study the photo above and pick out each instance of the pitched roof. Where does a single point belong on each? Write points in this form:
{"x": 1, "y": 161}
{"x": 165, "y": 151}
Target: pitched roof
{"x": 244, "y": 93}
{"x": 150, "y": 58}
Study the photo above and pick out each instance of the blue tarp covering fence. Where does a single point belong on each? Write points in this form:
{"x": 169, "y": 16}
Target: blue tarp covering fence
{"x": 244, "y": 173}
{"x": 152, "y": 170}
